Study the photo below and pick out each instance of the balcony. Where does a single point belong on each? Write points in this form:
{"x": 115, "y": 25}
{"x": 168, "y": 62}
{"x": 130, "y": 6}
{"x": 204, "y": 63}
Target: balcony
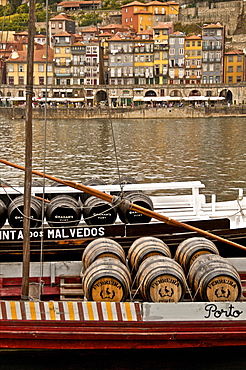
{"x": 62, "y": 64}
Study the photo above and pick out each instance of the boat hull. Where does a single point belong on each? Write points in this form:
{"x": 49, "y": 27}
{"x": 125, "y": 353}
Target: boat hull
{"x": 101, "y": 335}
{"x": 105, "y": 325}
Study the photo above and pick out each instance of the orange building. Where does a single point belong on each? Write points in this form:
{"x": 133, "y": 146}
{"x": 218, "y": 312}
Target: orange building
{"x": 143, "y": 16}
{"x": 234, "y": 66}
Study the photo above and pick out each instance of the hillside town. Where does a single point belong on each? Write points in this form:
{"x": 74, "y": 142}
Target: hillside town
{"x": 143, "y": 59}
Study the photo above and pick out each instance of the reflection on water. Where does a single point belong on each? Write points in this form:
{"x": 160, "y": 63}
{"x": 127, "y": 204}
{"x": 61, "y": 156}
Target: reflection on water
{"x": 212, "y": 150}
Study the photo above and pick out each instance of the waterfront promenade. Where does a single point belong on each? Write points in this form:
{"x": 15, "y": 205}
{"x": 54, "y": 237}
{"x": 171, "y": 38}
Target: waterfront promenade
{"x": 127, "y": 112}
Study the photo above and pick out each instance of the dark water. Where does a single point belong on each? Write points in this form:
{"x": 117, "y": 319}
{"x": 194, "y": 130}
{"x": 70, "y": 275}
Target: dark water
{"x": 166, "y": 359}
{"x": 210, "y": 150}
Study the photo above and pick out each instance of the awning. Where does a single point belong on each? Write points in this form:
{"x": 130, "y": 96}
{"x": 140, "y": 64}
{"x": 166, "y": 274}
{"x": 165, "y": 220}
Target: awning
{"x": 195, "y": 98}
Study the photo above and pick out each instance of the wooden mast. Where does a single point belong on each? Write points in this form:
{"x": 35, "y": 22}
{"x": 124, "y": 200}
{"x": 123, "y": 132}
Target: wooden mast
{"x": 28, "y": 153}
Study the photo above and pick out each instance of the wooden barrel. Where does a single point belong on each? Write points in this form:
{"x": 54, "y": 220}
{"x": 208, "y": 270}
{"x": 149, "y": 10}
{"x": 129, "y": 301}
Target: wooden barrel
{"x": 63, "y": 210}
{"x": 130, "y": 216}
{"x": 212, "y": 278}
{"x": 191, "y": 248}
{"x": 125, "y": 180}
{"x": 100, "y": 248}
{"x": 99, "y": 212}
{"x": 145, "y": 247}
{"x": 106, "y": 279}
{"x": 3, "y": 213}
{"x": 16, "y": 210}
{"x": 161, "y": 279}
{"x": 92, "y": 182}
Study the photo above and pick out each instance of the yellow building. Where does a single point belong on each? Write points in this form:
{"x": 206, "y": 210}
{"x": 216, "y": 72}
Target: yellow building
{"x": 193, "y": 59}
{"x": 161, "y": 34}
{"x": 234, "y": 66}
{"x": 16, "y": 66}
{"x": 143, "y": 61}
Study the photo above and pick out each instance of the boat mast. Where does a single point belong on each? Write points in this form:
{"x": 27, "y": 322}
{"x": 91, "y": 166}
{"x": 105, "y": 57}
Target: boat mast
{"x": 28, "y": 153}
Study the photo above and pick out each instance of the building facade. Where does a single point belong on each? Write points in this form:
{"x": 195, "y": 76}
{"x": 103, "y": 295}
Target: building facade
{"x": 213, "y": 40}
{"x": 193, "y": 59}
{"x": 234, "y": 66}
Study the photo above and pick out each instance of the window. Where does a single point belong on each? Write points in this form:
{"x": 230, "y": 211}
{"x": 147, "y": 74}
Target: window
{"x": 67, "y": 51}
{"x": 11, "y": 80}
{"x": 239, "y": 78}
{"x": 41, "y": 80}
{"x": 53, "y": 25}
{"x": 20, "y": 68}
{"x": 60, "y": 25}
{"x": 188, "y": 44}
{"x": 181, "y": 51}
{"x": 181, "y": 41}
{"x": 57, "y": 50}
{"x": 230, "y": 79}
{"x": 171, "y": 41}
{"x": 171, "y": 51}
{"x": 10, "y": 68}
{"x": 239, "y": 58}
{"x": 239, "y": 68}
{"x": 41, "y": 68}
{"x": 21, "y": 80}
{"x": 230, "y": 69}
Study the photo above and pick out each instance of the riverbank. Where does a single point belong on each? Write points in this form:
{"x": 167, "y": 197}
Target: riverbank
{"x": 126, "y": 113}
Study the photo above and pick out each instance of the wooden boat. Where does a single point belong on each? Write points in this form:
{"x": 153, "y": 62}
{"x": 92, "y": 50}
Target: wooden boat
{"x": 58, "y": 315}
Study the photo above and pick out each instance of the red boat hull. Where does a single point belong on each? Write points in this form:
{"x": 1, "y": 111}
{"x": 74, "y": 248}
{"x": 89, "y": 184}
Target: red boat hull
{"x": 111, "y": 335}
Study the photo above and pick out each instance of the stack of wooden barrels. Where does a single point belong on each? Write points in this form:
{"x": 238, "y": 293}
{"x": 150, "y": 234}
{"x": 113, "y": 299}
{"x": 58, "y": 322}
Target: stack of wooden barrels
{"x": 63, "y": 210}
{"x": 197, "y": 272}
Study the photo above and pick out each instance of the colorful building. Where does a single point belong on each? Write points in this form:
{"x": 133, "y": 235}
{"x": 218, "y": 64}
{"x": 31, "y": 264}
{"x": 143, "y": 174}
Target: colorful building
{"x": 234, "y": 66}
{"x": 193, "y": 59}
{"x": 176, "y": 58}
{"x": 161, "y": 34}
{"x": 143, "y": 16}
{"x": 213, "y": 40}
{"x": 17, "y": 68}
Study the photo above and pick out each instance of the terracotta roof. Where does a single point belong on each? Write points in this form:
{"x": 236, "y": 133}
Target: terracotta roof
{"x": 91, "y": 29}
{"x": 164, "y": 25}
{"x": 217, "y": 25}
{"x": 133, "y": 4}
{"x": 145, "y": 32}
{"x": 61, "y": 16}
{"x": 78, "y": 43}
{"x": 62, "y": 33}
{"x": 178, "y": 33}
{"x": 193, "y": 37}
{"x": 39, "y": 55}
{"x": 113, "y": 25}
{"x": 234, "y": 52}
{"x": 155, "y": 2}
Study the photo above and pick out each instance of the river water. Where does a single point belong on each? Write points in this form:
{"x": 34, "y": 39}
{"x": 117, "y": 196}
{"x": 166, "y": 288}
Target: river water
{"x": 212, "y": 150}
